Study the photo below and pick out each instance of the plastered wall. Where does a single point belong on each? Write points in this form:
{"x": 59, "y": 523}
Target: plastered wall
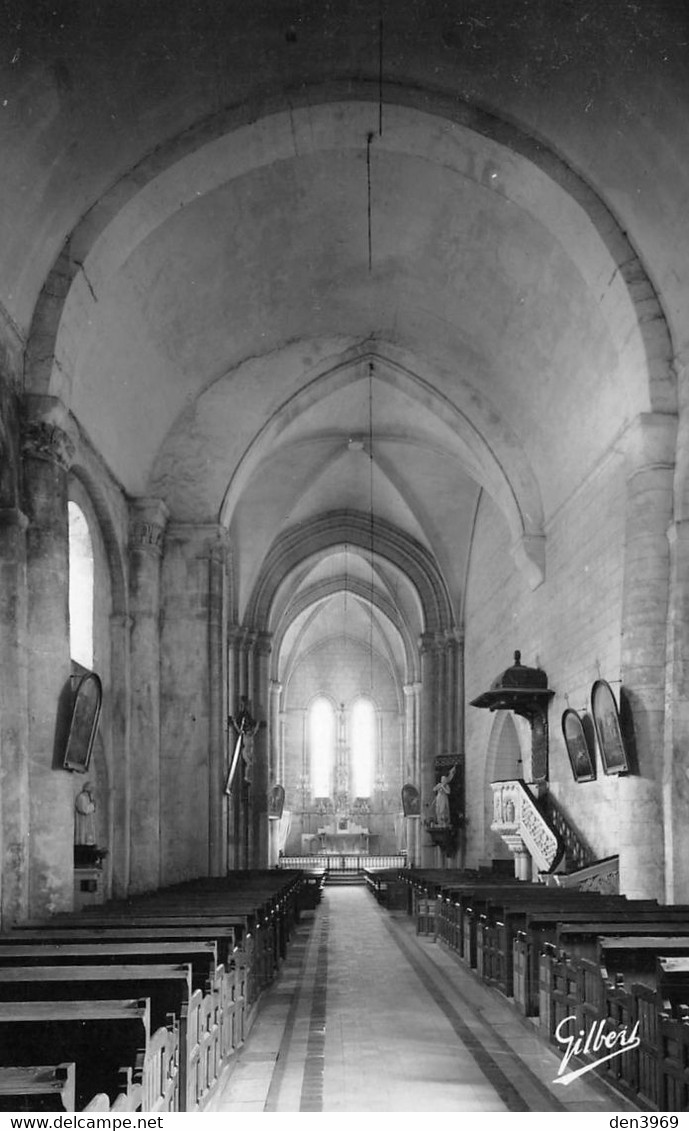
{"x": 569, "y": 626}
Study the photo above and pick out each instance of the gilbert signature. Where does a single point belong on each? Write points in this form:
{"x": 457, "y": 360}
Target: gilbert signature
{"x": 585, "y": 1043}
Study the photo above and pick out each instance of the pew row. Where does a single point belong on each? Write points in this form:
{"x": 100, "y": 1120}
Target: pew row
{"x": 109, "y": 1041}
{"x": 129, "y": 950}
{"x": 38, "y": 1088}
{"x": 588, "y": 964}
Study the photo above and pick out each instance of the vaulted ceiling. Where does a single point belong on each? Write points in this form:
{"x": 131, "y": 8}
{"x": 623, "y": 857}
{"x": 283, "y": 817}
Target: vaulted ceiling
{"x": 280, "y": 299}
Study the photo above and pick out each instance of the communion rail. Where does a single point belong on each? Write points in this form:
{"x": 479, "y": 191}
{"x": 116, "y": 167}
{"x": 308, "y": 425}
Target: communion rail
{"x": 355, "y": 863}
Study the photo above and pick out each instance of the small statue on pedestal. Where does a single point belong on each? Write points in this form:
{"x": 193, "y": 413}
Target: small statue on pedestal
{"x": 85, "y": 816}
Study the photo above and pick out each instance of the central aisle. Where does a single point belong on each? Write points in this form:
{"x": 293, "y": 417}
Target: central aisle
{"x": 364, "y": 1016}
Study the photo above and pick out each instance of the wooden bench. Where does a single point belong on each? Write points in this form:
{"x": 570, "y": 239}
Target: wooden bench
{"x": 38, "y": 1088}
{"x": 108, "y": 1041}
{"x": 202, "y": 957}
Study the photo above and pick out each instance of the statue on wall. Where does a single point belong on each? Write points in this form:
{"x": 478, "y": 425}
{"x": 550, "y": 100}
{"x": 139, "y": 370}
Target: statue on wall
{"x": 441, "y": 801}
{"x": 85, "y": 816}
{"x": 245, "y": 727}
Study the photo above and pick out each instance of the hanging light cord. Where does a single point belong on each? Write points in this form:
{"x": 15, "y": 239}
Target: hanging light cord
{"x": 371, "y": 518}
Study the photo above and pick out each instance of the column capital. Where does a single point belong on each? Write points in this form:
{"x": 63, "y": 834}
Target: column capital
{"x": 41, "y": 440}
{"x": 432, "y": 642}
{"x": 48, "y": 431}
{"x": 147, "y": 524}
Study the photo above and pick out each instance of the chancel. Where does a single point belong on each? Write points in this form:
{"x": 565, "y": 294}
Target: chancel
{"x": 342, "y": 368}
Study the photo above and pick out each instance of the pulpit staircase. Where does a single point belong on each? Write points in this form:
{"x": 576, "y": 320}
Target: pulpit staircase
{"x": 544, "y": 842}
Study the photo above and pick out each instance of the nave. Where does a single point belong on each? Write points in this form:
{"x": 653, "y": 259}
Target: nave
{"x": 367, "y": 1016}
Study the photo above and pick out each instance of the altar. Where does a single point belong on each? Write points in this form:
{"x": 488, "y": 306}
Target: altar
{"x": 345, "y": 836}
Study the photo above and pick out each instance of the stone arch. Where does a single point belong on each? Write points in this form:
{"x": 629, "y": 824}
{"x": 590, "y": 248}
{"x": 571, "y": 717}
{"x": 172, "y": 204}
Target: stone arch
{"x": 505, "y": 760}
{"x": 238, "y": 139}
{"x": 486, "y": 444}
{"x": 298, "y": 543}
{"x": 321, "y": 591}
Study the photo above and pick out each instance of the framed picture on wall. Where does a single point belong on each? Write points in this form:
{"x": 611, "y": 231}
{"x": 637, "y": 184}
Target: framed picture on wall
{"x": 606, "y": 720}
{"x": 84, "y": 723}
{"x": 580, "y": 753}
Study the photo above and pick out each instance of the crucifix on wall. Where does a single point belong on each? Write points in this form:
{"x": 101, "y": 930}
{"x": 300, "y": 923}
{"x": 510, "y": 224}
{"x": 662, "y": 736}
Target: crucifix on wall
{"x": 245, "y": 727}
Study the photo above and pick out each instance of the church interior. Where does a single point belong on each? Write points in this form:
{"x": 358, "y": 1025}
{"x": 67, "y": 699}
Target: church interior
{"x": 343, "y": 393}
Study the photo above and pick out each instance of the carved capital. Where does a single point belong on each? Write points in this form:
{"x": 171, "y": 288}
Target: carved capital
{"x": 147, "y": 523}
{"x": 431, "y": 643}
{"x": 46, "y": 441}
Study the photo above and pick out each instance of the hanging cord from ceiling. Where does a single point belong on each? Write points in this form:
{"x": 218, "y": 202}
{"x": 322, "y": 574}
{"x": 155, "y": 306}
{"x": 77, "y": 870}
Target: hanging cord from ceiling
{"x": 371, "y": 516}
{"x": 370, "y": 136}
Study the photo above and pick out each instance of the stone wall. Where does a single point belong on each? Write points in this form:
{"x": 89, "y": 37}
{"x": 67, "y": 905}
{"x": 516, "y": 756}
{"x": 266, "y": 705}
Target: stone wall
{"x": 570, "y": 626}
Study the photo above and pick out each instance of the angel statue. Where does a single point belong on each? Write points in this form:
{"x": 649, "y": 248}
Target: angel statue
{"x": 441, "y": 801}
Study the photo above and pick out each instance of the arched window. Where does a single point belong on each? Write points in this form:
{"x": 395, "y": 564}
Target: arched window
{"x": 322, "y": 746}
{"x": 80, "y": 587}
{"x": 363, "y": 745}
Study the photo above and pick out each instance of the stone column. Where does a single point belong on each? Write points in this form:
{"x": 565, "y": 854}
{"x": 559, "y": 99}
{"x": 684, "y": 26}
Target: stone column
{"x": 218, "y": 702}
{"x": 14, "y": 739}
{"x": 48, "y": 452}
{"x": 120, "y": 629}
{"x": 650, "y": 454}
{"x": 258, "y": 845}
{"x": 148, "y": 518}
{"x": 429, "y": 728}
{"x": 676, "y": 753}
{"x": 234, "y": 642}
{"x": 274, "y": 775}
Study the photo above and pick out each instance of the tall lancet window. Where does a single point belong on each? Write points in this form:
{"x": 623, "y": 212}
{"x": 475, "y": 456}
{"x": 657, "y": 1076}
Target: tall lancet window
{"x": 322, "y": 746}
{"x": 80, "y": 588}
{"x": 363, "y": 745}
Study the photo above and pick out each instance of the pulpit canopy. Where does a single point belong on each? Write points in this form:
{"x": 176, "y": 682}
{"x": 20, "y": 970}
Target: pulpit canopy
{"x": 520, "y": 689}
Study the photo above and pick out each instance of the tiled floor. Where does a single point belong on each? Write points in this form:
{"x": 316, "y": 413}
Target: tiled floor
{"x": 366, "y": 1017}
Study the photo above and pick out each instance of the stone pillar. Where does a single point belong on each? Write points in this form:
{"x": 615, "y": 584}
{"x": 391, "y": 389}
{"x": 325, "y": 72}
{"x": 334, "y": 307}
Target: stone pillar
{"x": 148, "y": 518}
{"x": 275, "y": 691}
{"x": 14, "y": 740}
{"x": 429, "y": 728}
{"x": 234, "y": 642}
{"x": 48, "y": 452}
{"x": 676, "y": 753}
{"x": 120, "y": 629}
{"x": 274, "y": 774}
{"x": 258, "y": 844}
{"x": 218, "y": 702}
{"x": 193, "y": 701}
{"x": 650, "y": 454}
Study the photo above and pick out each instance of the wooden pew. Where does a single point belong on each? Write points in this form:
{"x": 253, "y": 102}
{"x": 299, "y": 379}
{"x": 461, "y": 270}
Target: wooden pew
{"x": 246, "y": 919}
{"x": 224, "y": 938}
{"x": 501, "y": 921}
{"x": 202, "y": 957}
{"x": 200, "y": 1016}
{"x": 386, "y": 887}
{"x": 102, "y": 1038}
{"x": 38, "y": 1088}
